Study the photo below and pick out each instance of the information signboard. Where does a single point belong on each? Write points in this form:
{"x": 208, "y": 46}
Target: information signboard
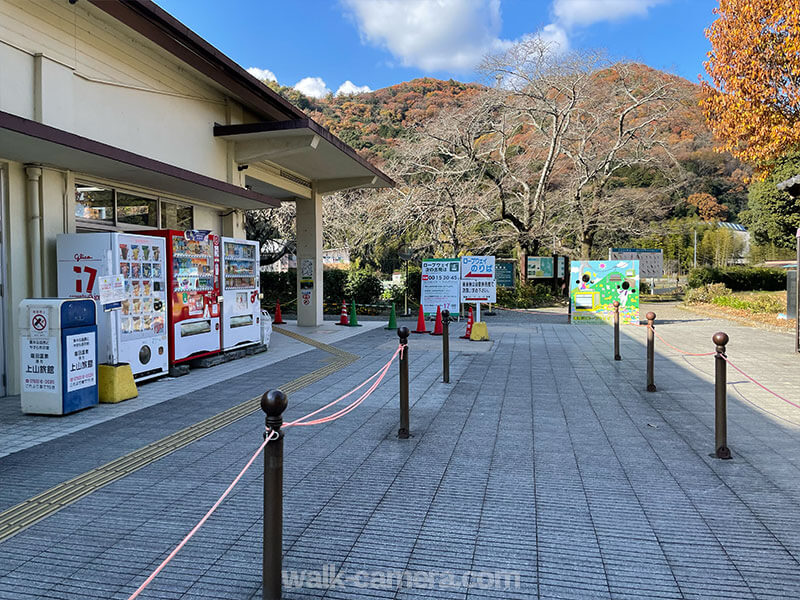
{"x": 504, "y": 273}
{"x": 540, "y": 267}
{"x": 651, "y": 260}
{"x": 81, "y": 370}
{"x": 440, "y": 285}
{"x": 595, "y": 284}
{"x": 478, "y": 279}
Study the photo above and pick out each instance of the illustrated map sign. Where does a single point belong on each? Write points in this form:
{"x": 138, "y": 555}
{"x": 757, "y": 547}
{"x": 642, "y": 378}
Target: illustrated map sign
{"x": 477, "y": 279}
{"x": 441, "y": 280}
{"x": 540, "y": 267}
{"x": 595, "y": 284}
{"x": 651, "y": 260}
{"x": 504, "y": 273}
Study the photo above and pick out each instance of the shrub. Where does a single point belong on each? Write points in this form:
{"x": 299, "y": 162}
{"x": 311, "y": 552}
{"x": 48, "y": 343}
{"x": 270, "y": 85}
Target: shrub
{"x": 757, "y": 304}
{"x": 739, "y": 279}
{"x": 334, "y": 284}
{"x": 527, "y": 295}
{"x": 363, "y": 286}
{"x": 707, "y": 293}
{"x": 278, "y": 287}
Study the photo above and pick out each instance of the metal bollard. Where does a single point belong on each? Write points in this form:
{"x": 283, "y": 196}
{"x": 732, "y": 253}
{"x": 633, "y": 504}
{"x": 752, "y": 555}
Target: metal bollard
{"x": 721, "y": 397}
{"x": 403, "y": 433}
{"x": 651, "y": 350}
{"x": 446, "y": 346}
{"x": 615, "y": 304}
{"x": 273, "y": 403}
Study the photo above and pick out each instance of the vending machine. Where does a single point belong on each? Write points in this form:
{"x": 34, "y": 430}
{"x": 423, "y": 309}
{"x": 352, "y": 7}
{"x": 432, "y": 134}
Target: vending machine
{"x": 193, "y": 293}
{"x": 136, "y": 332}
{"x": 241, "y": 308}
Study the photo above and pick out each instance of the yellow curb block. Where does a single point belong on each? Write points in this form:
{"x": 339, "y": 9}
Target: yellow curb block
{"x": 115, "y": 383}
{"x": 479, "y": 332}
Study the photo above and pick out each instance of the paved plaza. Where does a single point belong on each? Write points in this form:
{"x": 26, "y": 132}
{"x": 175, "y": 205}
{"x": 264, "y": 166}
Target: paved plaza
{"x": 544, "y": 470}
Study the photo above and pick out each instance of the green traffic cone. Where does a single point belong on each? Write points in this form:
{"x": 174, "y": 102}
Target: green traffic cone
{"x": 392, "y": 319}
{"x": 353, "y": 317}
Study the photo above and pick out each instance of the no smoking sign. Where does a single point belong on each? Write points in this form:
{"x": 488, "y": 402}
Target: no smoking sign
{"x": 38, "y": 320}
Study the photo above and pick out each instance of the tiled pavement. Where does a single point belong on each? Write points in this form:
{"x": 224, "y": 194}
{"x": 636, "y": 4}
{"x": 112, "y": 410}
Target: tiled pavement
{"x": 543, "y": 465}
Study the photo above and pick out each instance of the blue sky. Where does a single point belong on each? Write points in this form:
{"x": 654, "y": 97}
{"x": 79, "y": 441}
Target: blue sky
{"x": 319, "y": 45}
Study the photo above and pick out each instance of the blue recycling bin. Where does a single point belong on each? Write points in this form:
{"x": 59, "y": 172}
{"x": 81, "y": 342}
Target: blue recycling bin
{"x": 58, "y": 355}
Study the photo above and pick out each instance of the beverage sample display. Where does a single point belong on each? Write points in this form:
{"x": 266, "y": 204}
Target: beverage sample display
{"x": 193, "y": 282}
{"x": 136, "y": 332}
{"x": 241, "y": 308}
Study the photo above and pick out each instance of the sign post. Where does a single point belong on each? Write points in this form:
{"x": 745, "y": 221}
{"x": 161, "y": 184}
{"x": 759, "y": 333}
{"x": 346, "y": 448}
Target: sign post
{"x": 478, "y": 285}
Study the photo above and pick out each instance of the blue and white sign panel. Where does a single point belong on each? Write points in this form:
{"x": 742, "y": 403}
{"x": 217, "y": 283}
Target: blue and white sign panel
{"x": 651, "y": 260}
{"x": 441, "y": 279}
{"x": 478, "y": 282}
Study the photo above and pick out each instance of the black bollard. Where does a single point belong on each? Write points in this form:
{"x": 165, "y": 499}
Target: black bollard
{"x": 403, "y": 433}
{"x": 615, "y": 304}
{"x": 721, "y": 397}
{"x": 273, "y": 403}
{"x": 446, "y": 346}
{"x": 651, "y": 350}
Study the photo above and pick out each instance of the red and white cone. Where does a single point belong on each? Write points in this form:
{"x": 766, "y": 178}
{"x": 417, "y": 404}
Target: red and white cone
{"x": 469, "y": 325}
{"x": 344, "y": 319}
{"x": 420, "y": 322}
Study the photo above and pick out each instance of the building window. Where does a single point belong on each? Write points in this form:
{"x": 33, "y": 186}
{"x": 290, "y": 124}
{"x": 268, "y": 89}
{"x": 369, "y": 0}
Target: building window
{"x": 135, "y": 210}
{"x": 94, "y": 204}
{"x": 98, "y": 207}
{"x": 176, "y": 216}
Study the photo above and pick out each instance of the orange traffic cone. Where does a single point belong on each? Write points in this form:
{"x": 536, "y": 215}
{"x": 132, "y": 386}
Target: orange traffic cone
{"x": 469, "y": 325}
{"x": 343, "y": 319}
{"x": 438, "y": 329}
{"x": 278, "y": 320}
{"x": 420, "y": 322}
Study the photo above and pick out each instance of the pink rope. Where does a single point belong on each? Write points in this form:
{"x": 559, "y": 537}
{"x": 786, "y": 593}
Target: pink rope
{"x": 380, "y": 374}
{"x": 196, "y": 528}
{"x": 678, "y": 349}
{"x": 763, "y": 387}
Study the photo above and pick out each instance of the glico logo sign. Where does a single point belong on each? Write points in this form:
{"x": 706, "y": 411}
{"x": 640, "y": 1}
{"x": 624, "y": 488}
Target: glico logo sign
{"x": 79, "y": 257}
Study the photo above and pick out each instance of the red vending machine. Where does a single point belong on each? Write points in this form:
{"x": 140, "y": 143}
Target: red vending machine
{"x": 193, "y": 293}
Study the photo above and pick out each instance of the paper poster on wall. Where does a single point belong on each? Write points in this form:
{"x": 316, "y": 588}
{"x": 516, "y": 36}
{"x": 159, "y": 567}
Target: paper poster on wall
{"x": 595, "y": 284}
{"x": 540, "y": 267}
{"x": 440, "y": 285}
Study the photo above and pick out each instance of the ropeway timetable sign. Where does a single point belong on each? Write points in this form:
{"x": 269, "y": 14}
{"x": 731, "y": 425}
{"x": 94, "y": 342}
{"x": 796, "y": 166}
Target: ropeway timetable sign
{"x": 440, "y": 285}
{"x": 478, "y": 282}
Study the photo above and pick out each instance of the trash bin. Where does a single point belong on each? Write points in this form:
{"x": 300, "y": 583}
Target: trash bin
{"x": 58, "y": 355}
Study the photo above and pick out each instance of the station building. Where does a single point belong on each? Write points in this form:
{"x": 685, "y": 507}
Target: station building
{"x": 114, "y": 116}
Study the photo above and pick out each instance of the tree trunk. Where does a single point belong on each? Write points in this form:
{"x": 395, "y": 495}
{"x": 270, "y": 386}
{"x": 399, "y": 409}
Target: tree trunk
{"x": 587, "y": 244}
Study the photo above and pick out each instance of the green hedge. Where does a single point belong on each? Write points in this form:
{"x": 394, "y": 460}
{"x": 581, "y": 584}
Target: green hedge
{"x": 337, "y": 284}
{"x": 739, "y": 279}
{"x": 529, "y": 295}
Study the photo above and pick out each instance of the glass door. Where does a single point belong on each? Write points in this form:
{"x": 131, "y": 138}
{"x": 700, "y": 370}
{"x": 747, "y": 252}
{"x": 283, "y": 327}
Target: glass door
{"x": 240, "y": 266}
{"x": 192, "y": 265}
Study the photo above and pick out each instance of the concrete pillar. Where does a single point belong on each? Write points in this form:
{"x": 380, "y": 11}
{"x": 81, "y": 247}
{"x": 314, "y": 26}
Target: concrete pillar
{"x": 309, "y": 260}
{"x": 233, "y": 224}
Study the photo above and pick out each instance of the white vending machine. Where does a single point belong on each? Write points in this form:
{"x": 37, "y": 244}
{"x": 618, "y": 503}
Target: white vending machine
{"x": 241, "y": 307}
{"x": 136, "y": 332}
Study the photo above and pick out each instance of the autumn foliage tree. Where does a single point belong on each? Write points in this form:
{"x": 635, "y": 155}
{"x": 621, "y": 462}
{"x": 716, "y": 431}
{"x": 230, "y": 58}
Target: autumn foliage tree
{"x": 708, "y": 208}
{"x": 754, "y": 104}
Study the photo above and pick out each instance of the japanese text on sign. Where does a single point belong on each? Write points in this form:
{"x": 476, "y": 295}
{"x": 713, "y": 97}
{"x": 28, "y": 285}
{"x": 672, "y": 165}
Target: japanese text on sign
{"x": 39, "y": 357}
{"x": 651, "y": 260}
{"x": 81, "y": 365}
{"x": 440, "y": 285}
{"x": 477, "y": 279}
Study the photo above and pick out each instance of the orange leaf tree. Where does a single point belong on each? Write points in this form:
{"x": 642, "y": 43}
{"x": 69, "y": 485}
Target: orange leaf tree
{"x": 708, "y": 208}
{"x": 754, "y": 104}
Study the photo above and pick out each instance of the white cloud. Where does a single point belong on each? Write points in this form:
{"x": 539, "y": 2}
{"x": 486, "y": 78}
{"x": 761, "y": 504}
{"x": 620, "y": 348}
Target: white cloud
{"x": 586, "y": 12}
{"x": 315, "y": 87}
{"x": 432, "y": 34}
{"x": 262, "y": 74}
{"x": 554, "y": 36}
{"x": 348, "y": 87}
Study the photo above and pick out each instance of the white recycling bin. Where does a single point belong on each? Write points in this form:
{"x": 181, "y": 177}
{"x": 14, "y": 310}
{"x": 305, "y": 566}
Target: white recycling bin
{"x": 58, "y": 355}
